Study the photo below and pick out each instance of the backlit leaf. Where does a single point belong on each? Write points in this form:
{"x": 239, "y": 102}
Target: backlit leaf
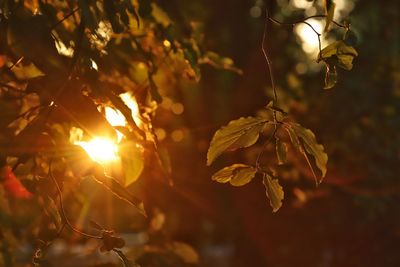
{"x": 281, "y": 150}
{"x": 240, "y": 133}
{"x": 236, "y": 174}
{"x": 311, "y": 146}
{"x": 330, "y": 76}
{"x": 340, "y": 54}
{"x": 293, "y": 138}
{"x": 27, "y": 72}
{"x": 160, "y": 16}
{"x": 132, "y": 161}
{"x": 330, "y": 10}
{"x": 274, "y": 192}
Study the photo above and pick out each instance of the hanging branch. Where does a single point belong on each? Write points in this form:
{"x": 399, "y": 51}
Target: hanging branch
{"x": 268, "y": 18}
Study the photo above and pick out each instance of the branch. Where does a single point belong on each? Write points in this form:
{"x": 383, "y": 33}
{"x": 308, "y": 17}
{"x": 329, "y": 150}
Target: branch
{"x": 304, "y": 21}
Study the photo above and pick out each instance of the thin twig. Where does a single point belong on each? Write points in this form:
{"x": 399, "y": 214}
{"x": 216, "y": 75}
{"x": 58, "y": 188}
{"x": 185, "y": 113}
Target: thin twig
{"x": 272, "y": 78}
{"x": 16, "y": 63}
{"x": 269, "y": 63}
{"x": 304, "y": 21}
{"x": 293, "y": 23}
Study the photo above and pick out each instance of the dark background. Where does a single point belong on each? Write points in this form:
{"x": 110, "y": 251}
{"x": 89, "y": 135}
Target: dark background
{"x": 352, "y": 219}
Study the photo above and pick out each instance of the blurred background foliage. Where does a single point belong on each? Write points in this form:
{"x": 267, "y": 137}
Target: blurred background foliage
{"x": 351, "y": 219}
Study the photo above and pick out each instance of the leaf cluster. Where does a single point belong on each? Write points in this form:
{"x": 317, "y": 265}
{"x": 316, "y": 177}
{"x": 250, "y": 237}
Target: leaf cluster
{"x": 245, "y": 132}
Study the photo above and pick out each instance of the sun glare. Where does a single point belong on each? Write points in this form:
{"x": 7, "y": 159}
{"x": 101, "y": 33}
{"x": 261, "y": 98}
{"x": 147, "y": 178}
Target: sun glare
{"x": 102, "y": 150}
{"x": 130, "y": 101}
{"x": 308, "y": 37}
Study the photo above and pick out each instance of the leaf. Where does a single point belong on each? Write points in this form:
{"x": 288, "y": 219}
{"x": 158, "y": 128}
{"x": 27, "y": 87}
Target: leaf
{"x": 312, "y": 147}
{"x": 27, "y": 72}
{"x": 132, "y": 161}
{"x": 160, "y": 16}
{"x": 239, "y": 133}
{"x": 293, "y": 138}
{"x": 274, "y": 192}
{"x": 340, "y": 54}
{"x": 330, "y": 10}
{"x": 30, "y": 37}
{"x": 330, "y": 76}
{"x": 120, "y": 105}
{"x": 281, "y": 150}
{"x": 116, "y": 188}
{"x": 131, "y": 8}
{"x": 236, "y": 174}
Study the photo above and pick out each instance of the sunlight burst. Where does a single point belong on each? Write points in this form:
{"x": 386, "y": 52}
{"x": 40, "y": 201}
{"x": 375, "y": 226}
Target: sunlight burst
{"x": 102, "y": 149}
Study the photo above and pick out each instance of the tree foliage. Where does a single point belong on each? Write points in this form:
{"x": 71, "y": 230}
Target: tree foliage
{"x": 66, "y": 64}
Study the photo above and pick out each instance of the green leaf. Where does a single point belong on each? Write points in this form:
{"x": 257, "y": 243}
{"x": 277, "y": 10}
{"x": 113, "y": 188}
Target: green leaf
{"x": 274, "y": 192}
{"x": 330, "y": 76}
{"x": 330, "y": 10}
{"x": 311, "y": 146}
{"x": 281, "y": 150}
{"x": 132, "y": 161}
{"x": 239, "y": 133}
{"x": 340, "y": 54}
{"x": 236, "y": 174}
